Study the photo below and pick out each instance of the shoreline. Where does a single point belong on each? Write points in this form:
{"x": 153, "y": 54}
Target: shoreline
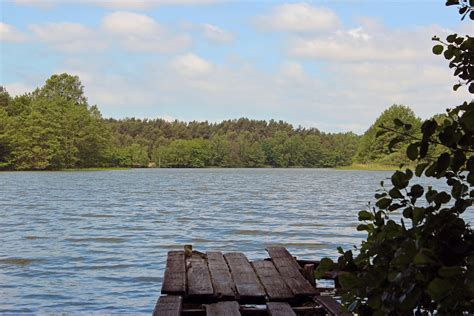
{"x": 355, "y": 167}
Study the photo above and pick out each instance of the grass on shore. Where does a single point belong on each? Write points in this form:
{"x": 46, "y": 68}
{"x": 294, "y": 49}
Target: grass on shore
{"x": 370, "y": 167}
{"x": 94, "y": 169}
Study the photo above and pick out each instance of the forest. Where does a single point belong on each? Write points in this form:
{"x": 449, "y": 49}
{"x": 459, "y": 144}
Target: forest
{"x": 54, "y": 127}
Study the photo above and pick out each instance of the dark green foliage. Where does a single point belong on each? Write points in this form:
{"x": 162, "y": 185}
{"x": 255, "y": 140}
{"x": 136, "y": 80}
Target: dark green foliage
{"x": 373, "y": 144}
{"x": 54, "y": 127}
{"x": 234, "y": 143}
{"x": 422, "y": 263}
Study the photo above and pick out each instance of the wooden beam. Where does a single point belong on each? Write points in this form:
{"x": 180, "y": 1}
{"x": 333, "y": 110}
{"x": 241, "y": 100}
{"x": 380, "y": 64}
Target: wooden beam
{"x": 174, "y": 281}
{"x": 331, "y": 305}
{"x": 221, "y": 278}
{"x": 289, "y": 269}
{"x": 274, "y": 285}
{"x": 199, "y": 279}
{"x": 246, "y": 281}
{"x": 308, "y": 273}
{"x": 168, "y": 306}
{"x": 228, "y": 308}
{"x": 280, "y": 309}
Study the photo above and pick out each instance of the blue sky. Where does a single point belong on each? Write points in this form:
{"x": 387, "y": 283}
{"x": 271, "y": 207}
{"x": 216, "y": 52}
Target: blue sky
{"x": 334, "y": 65}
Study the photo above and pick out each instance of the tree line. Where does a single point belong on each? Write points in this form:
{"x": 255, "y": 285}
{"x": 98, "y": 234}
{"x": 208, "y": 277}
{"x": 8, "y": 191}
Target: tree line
{"x": 54, "y": 127}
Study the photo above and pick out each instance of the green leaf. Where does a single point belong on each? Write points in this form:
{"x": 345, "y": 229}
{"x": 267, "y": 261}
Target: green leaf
{"x": 467, "y": 119}
{"x": 416, "y": 191}
{"x": 420, "y": 168}
{"x": 398, "y": 122}
{"x": 365, "y": 216}
{"x": 422, "y": 259}
{"x": 418, "y": 214}
{"x": 399, "y": 180}
{"x": 325, "y": 265}
{"x": 348, "y": 280}
{"x": 448, "y": 54}
{"x": 442, "y": 198}
{"x": 383, "y": 203}
{"x": 452, "y": 2}
{"x": 412, "y": 151}
{"x": 451, "y": 38}
{"x": 443, "y": 162}
{"x": 394, "y": 142}
{"x": 430, "y": 195}
{"x": 395, "y": 193}
{"x": 439, "y": 288}
{"x": 438, "y": 49}
{"x": 449, "y": 272}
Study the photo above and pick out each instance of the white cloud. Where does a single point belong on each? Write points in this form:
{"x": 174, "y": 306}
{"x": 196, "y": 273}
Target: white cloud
{"x": 369, "y": 42}
{"x": 190, "y": 65}
{"x": 130, "y": 23}
{"x": 69, "y": 37}
{"x": 141, "y": 33}
{"x": 131, "y": 31}
{"x": 145, "y": 4}
{"x": 344, "y": 96}
{"x": 17, "y": 88}
{"x": 216, "y": 34}
{"x": 299, "y": 17}
{"x": 9, "y": 33}
{"x": 43, "y": 4}
{"x": 114, "y": 4}
{"x": 293, "y": 71}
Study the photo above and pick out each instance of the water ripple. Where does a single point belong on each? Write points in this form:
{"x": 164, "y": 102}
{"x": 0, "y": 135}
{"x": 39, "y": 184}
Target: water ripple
{"x": 96, "y": 242}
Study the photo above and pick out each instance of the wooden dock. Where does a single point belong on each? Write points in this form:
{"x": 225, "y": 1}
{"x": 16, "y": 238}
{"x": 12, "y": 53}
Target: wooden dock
{"x": 229, "y": 284}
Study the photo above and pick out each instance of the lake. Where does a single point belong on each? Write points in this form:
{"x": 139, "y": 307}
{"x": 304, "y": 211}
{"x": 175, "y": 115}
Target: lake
{"x": 97, "y": 241}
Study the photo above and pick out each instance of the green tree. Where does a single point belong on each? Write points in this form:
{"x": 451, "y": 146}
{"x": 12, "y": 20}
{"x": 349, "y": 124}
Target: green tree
{"x": 220, "y": 147}
{"x": 375, "y": 149}
{"x": 66, "y": 86}
{"x": 250, "y": 151}
{"x": 421, "y": 261}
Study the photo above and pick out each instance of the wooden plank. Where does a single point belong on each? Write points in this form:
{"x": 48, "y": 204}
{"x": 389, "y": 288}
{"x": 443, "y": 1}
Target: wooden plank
{"x": 245, "y": 279}
{"x": 290, "y": 271}
{"x": 168, "y": 306}
{"x": 199, "y": 279}
{"x": 308, "y": 273}
{"x": 174, "y": 281}
{"x": 331, "y": 305}
{"x": 229, "y": 308}
{"x": 222, "y": 282}
{"x": 274, "y": 285}
{"x": 280, "y": 309}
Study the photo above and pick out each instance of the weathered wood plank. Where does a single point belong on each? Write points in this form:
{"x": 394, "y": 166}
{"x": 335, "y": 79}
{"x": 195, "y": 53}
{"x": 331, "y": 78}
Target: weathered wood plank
{"x": 280, "y": 309}
{"x": 308, "y": 273}
{"x": 245, "y": 279}
{"x": 222, "y": 282}
{"x": 168, "y": 306}
{"x": 199, "y": 279}
{"x": 331, "y": 305}
{"x": 174, "y": 281}
{"x": 290, "y": 271}
{"x": 274, "y": 285}
{"x": 229, "y": 308}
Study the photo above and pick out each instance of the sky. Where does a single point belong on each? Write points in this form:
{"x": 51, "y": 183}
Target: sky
{"x": 334, "y": 65}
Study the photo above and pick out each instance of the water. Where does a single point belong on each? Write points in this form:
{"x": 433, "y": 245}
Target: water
{"x": 97, "y": 241}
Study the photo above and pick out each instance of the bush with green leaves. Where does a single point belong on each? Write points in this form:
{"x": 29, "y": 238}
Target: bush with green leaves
{"x": 419, "y": 254}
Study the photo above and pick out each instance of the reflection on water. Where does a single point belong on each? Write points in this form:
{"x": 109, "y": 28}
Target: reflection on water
{"x": 97, "y": 241}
